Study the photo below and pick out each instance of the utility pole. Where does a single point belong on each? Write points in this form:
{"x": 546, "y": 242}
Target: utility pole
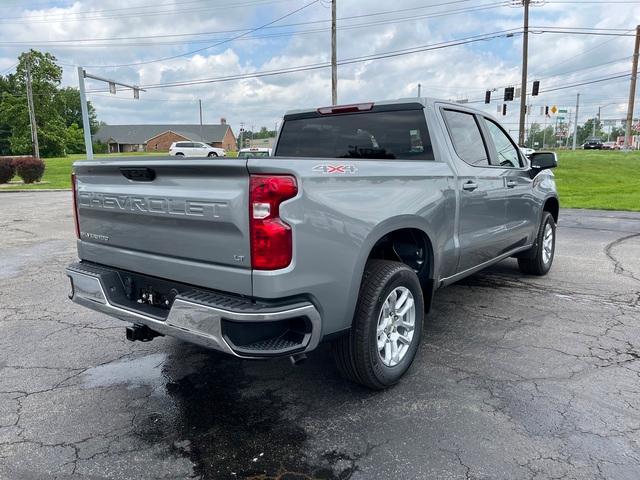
{"x": 575, "y": 128}
{"x": 593, "y": 133}
{"x": 632, "y": 89}
{"x": 525, "y": 55}
{"x": 419, "y": 90}
{"x": 334, "y": 56}
{"x": 32, "y": 113}
{"x": 200, "y": 106}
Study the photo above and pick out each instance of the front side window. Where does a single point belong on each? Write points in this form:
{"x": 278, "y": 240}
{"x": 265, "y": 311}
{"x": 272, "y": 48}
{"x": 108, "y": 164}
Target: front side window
{"x": 388, "y": 134}
{"x": 507, "y": 152}
{"x": 466, "y": 137}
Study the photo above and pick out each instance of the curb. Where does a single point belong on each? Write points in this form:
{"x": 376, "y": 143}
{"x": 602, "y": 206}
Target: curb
{"x": 25, "y": 190}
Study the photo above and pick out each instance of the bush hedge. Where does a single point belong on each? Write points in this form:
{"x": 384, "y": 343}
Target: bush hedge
{"x": 29, "y": 169}
{"x": 7, "y": 170}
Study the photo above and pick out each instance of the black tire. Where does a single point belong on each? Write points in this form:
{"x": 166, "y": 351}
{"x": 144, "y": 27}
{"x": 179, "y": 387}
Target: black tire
{"x": 212, "y": 154}
{"x": 533, "y": 263}
{"x": 179, "y": 154}
{"x": 356, "y": 353}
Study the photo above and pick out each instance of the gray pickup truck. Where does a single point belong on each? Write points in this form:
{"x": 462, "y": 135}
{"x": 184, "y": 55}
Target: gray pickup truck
{"x": 343, "y": 235}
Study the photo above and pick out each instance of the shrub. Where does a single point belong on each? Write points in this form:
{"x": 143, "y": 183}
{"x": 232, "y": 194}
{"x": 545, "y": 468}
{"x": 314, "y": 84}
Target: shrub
{"x": 99, "y": 147}
{"x": 7, "y": 170}
{"x": 30, "y": 169}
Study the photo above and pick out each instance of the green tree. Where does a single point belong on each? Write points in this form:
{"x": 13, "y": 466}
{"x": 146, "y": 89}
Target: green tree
{"x": 74, "y": 141}
{"x": 540, "y": 138}
{"x": 586, "y": 131}
{"x": 68, "y": 103}
{"x": 56, "y": 109}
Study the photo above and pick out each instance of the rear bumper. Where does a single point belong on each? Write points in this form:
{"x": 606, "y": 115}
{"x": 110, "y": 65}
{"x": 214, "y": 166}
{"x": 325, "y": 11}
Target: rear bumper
{"x": 201, "y": 316}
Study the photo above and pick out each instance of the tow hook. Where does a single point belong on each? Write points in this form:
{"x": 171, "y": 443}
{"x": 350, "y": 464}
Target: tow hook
{"x": 141, "y": 333}
{"x": 298, "y": 358}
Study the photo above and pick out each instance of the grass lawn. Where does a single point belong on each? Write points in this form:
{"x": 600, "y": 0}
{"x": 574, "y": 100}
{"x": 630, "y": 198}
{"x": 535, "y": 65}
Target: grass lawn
{"x": 607, "y": 180}
{"x": 599, "y": 179}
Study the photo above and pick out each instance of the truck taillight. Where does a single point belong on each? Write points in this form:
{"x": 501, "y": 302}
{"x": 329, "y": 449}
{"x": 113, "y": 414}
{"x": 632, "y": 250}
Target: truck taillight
{"x": 74, "y": 189}
{"x": 271, "y": 240}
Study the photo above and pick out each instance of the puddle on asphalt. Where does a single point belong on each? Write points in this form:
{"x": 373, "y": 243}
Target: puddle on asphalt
{"x": 137, "y": 372}
{"x": 228, "y": 423}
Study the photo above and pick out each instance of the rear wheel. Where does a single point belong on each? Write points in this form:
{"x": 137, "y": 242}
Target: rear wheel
{"x": 212, "y": 154}
{"x": 386, "y": 329}
{"x": 540, "y": 258}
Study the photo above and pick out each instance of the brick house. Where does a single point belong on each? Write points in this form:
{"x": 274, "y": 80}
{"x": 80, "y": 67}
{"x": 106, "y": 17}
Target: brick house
{"x": 158, "y": 138}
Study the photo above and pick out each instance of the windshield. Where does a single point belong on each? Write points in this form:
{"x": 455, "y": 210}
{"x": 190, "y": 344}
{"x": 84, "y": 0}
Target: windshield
{"x": 400, "y": 134}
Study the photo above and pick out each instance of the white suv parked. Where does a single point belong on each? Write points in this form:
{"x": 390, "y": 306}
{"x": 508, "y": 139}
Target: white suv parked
{"x": 195, "y": 149}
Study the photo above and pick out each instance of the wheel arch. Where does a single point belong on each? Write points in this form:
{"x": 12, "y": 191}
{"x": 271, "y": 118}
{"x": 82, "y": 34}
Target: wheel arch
{"x": 552, "y": 205}
{"x": 402, "y": 231}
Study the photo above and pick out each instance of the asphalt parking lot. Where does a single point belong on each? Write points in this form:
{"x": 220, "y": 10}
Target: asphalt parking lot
{"x": 517, "y": 378}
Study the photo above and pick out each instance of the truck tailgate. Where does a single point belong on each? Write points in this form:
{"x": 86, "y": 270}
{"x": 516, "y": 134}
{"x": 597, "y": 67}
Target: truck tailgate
{"x": 181, "y": 219}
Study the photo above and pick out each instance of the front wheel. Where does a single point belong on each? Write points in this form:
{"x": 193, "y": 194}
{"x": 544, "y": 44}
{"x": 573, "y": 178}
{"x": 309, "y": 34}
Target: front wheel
{"x": 212, "y": 154}
{"x": 386, "y": 329}
{"x": 540, "y": 258}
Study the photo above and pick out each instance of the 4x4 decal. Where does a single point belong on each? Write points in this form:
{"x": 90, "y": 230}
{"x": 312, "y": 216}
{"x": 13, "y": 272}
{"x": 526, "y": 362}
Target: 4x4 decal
{"x": 339, "y": 169}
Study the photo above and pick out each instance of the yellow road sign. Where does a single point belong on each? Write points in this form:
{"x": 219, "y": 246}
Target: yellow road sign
{"x": 554, "y": 109}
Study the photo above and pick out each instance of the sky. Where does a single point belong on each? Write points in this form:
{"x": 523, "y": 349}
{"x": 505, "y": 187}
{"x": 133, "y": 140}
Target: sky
{"x": 152, "y": 43}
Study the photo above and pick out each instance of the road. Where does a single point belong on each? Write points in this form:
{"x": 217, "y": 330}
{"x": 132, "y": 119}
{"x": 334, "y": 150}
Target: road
{"x": 517, "y": 378}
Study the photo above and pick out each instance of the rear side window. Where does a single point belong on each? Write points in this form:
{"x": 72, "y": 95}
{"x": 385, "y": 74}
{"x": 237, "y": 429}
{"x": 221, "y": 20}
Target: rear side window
{"x": 466, "y": 137}
{"x": 400, "y": 134}
{"x": 182, "y": 145}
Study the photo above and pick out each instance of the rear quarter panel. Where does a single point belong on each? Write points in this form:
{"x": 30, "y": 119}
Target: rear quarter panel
{"x": 336, "y": 219}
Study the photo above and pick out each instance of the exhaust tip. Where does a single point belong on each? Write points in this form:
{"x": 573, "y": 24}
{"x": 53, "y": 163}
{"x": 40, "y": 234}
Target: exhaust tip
{"x": 298, "y": 358}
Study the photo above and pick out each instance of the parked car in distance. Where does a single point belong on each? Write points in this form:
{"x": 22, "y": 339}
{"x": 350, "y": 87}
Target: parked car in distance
{"x": 527, "y": 151}
{"x": 254, "y": 152}
{"x": 195, "y": 149}
{"x": 593, "y": 144}
{"x": 610, "y": 146}
{"x": 344, "y": 235}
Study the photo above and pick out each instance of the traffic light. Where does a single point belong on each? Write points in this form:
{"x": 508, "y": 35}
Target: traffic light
{"x": 546, "y": 110}
{"x": 508, "y": 94}
{"x": 487, "y": 97}
{"x": 504, "y": 109}
{"x": 536, "y": 88}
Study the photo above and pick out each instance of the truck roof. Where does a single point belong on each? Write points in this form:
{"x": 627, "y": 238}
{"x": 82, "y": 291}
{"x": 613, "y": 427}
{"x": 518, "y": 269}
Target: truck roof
{"x": 426, "y": 101}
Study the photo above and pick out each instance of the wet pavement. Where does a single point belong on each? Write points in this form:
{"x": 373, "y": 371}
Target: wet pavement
{"x": 517, "y": 378}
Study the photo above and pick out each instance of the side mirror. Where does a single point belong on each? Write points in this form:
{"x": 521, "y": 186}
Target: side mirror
{"x": 543, "y": 160}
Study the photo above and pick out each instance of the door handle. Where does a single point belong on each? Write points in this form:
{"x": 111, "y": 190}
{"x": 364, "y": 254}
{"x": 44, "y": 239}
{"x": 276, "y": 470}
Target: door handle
{"x": 470, "y": 186}
{"x": 511, "y": 183}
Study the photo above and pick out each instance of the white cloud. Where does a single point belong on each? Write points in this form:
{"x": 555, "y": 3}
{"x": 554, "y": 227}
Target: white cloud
{"x": 458, "y": 72}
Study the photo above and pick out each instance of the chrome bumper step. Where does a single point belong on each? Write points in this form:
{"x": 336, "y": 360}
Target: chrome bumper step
{"x": 198, "y": 316}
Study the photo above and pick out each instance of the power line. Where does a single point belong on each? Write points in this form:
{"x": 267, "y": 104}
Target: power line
{"x": 172, "y": 57}
{"x": 297, "y": 24}
{"x": 65, "y": 17}
{"x": 348, "y": 61}
{"x": 258, "y": 37}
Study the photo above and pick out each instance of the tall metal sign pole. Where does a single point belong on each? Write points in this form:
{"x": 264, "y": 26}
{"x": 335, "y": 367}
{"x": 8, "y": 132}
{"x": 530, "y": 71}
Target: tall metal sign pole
{"x": 632, "y": 89}
{"x": 523, "y": 87}
{"x": 334, "y": 56}
{"x": 32, "y": 112}
{"x": 88, "y": 145}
